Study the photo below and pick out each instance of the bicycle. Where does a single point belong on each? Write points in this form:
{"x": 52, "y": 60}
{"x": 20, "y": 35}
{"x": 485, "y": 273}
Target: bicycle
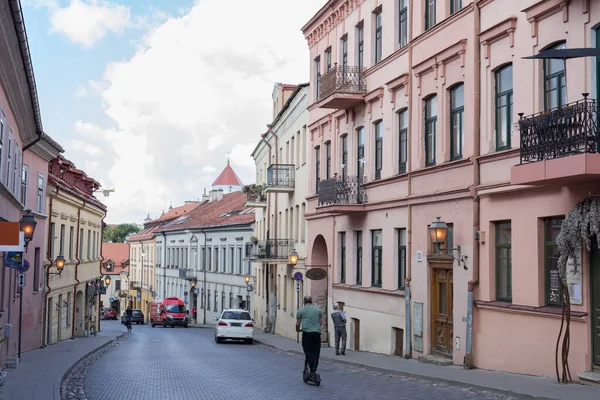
{"x": 128, "y": 324}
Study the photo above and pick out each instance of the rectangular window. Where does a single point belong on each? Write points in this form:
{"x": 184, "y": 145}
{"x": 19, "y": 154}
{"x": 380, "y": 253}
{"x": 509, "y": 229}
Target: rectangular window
{"x": 317, "y": 78}
{"x": 555, "y": 81}
{"x": 208, "y": 300}
{"x": 328, "y": 60}
{"x": 217, "y": 265}
{"x": 344, "y": 157}
{"x": 8, "y": 158}
{"x": 359, "y": 257}
{"x": 360, "y": 153}
{"x": 402, "y": 141}
{"x": 210, "y": 265}
{"x": 71, "y": 242}
{"x": 24, "y": 184}
{"x": 360, "y": 37}
{"x": 37, "y": 265}
{"x": 16, "y": 168}
{"x": 223, "y": 259}
{"x": 376, "y": 257}
{"x": 378, "y": 36}
{"x": 378, "y": 149}
{"x": 222, "y": 301}
{"x": 455, "y": 6}
{"x": 553, "y": 288}
{"x": 344, "y": 54}
{"x": 62, "y": 240}
{"x": 231, "y": 259}
{"x": 328, "y": 160}
{"x": 504, "y": 105}
{"x": 430, "y": 130}
{"x": 342, "y": 257}
{"x": 317, "y": 168}
{"x": 89, "y": 245}
{"x": 80, "y": 254}
{"x": 40, "y": 194}
{"x": 503, "y": 261}
{"x": 457, "y": 114}
{"x": 69, "y": 307}
{"x": 203, "y": 261}
{"x": 430, "y": 6}
{"x": 403, "y": 22}
{"x": 401, "y": 258}
{"x": 240, "y": 260}
{"x": 2, "y": 125}
{"x": 52, "y": 241}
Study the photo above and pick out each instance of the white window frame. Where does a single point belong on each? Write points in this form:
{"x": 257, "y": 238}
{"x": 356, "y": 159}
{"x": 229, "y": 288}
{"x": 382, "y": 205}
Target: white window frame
{"x": 40, "y": 196}
{"x": 24, "y": 185}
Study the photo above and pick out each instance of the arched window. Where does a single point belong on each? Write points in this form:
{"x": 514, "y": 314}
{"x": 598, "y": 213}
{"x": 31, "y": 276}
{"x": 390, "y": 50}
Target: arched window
{"x": 555, "y": 80}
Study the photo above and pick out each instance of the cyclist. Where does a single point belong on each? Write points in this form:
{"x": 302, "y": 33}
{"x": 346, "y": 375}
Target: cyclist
{"x": 309, "y": 320}
{"x": 128, "y": 316}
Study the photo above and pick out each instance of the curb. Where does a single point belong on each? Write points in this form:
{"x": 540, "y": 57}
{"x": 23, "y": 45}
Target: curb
{"x": 519, "y": 396}
{"x": 59, "y": 381}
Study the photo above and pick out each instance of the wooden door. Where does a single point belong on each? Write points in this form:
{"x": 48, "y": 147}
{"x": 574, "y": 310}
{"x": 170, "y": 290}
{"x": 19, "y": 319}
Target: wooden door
{"x": 442, "y": 305}
{"x": 595, "y": 305}
{"x": 356, "y": 333}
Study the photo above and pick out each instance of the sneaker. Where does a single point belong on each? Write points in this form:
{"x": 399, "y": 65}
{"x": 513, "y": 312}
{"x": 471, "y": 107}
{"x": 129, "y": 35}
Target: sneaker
{"x": 344, "y": 353}
{"x": 337, "y": 353}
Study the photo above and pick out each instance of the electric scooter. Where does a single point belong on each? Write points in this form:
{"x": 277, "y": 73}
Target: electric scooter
{"x": 308, "y": 377}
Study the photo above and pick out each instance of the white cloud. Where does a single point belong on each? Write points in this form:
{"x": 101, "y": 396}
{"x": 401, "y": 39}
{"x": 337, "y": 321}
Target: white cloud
{"x": 198, "y": 88}
{"x": 81, "y": 92}
{"x": 86, "y": 148}
{"x": 86, "y": 23}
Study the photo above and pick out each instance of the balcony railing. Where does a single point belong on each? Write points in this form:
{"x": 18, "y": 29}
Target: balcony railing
{"x": 560, "y": 132}
{"x": 342, "y": 79}
{"x": 271, "y": 249}
{"x": 255, "y": 193}
{"x": 281, "y": 175}
{"x": 342, "y": 190}
{"x": 135, "y": 285}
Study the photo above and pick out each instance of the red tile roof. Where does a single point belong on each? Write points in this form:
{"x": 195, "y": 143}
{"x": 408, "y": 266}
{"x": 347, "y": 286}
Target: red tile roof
{"x": 230, "y": 210}
{"x": 144, "y": 234}
{"x": 228, "y": 178}
{"x": 177, "y": 211}
{"x": 118, "y": 253}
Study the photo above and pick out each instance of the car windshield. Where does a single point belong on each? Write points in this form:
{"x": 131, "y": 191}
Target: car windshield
{"x": 109, "y": 310}
{"x": 137, "y": 312}
{"x": 175, "y": 308}
{"x": 240, "y": 315}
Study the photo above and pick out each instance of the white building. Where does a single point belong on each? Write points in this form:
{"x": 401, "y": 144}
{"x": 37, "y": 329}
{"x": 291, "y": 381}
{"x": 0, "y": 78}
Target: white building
{"x": 200, "y": 256}
{"x": 115, "y": 264}
{"x": 279, "y": 197}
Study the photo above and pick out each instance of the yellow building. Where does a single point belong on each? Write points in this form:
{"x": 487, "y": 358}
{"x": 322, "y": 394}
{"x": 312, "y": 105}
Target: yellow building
{"x": 73, "y": 254}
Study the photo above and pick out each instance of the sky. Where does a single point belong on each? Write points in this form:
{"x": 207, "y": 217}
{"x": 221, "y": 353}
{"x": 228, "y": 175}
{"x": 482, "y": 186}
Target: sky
{"x": 151, "y": 97}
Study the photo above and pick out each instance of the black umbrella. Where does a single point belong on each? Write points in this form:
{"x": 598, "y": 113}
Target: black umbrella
{"x": 565, "y": 54}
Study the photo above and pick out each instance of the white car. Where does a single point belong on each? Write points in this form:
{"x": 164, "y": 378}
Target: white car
{"x": 234, "y": 324}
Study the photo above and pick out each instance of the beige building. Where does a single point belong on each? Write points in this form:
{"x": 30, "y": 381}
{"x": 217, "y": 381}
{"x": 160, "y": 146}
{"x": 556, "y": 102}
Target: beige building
{"x": 75, "y": 230}
{"x": 279, "y": 198}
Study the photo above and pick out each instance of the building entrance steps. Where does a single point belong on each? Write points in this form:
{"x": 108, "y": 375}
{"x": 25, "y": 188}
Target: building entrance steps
{"x": 521, "y": 386}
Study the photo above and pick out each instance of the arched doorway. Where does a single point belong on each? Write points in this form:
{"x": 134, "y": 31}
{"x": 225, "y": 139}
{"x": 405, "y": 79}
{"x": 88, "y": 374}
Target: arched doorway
{"x": 79, "y": 313}
{"x": 319, "y": 289}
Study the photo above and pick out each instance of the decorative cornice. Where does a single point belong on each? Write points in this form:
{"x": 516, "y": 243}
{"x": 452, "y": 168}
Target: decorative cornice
{"x": 437, "y": 62}
{"x": 545, "y": 9}
{"x": 372, "y": 97}
{"x": 328, "y": 19}
{"x": 395, "y": 85}
{"x": 498, "y": 32}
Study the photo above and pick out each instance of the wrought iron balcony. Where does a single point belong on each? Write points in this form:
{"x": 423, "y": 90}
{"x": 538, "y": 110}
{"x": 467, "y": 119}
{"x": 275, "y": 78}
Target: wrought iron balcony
{"x": 559, "y": 144}
{"x": 270, "y": 250}
{"x": 281, "y": 178}
{"x": 343, "y": 191}
{"x": 135, "y": 285}
{"x": 255, "y": 196}
{"x": 342, "y": 87}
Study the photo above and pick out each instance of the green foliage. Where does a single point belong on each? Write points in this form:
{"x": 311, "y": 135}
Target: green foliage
{"x": 118, "y": 233}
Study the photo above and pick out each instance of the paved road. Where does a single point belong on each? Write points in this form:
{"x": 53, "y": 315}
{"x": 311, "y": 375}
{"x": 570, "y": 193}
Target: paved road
{"x": 178, "y": 363}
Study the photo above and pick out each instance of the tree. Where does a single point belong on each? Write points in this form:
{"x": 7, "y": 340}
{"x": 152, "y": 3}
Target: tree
{"x": 117, "y": 234}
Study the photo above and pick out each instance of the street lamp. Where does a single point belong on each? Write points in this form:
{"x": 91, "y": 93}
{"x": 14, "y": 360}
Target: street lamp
{"x": 438, "y": 230}
{"x": 193, "y": 284}
{"x": 27, "y": 225}
{"x": 249, "y": 287}
{"x": 293, "y": 257}
{"x": 60, "y": 265}
{"x": 107, "y": 280}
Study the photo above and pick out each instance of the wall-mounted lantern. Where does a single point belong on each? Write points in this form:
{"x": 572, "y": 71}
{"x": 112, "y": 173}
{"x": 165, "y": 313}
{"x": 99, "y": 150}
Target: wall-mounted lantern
{"x": 438, "y": 230}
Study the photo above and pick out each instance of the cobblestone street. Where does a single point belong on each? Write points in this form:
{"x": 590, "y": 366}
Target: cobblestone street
{"x": 186, "y": 363}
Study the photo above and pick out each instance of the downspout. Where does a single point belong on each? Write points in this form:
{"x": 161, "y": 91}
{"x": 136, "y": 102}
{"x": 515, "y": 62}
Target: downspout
{"x": 78, "y": 257}
{"x": 268, "y": 232}
{"x": 408, "y": 278}
{"x": 47, "y": 289}
{"x": 100, "y": 266}
{"x": 468, "y": 361}
{"x": 275, "y": 225}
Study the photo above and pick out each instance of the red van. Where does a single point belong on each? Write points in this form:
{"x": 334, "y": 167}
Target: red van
{"x": 169, "y": 312}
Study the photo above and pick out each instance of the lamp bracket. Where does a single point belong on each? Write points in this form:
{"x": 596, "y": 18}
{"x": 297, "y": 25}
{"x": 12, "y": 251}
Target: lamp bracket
{"x": 462, "y": 260}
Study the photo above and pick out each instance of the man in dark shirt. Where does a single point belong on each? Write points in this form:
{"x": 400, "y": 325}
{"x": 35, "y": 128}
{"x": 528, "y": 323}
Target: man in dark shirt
{"x": 339, "y": 323}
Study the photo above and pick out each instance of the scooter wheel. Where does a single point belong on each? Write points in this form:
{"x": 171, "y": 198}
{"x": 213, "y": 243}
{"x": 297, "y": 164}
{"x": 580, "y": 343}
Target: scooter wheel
{"x": 318, "y": 380}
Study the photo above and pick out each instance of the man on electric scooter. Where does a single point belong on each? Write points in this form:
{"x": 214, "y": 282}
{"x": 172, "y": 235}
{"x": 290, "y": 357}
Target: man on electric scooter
{"x": 310, "y": 318}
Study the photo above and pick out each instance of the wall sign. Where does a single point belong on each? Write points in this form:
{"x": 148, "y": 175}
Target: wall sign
{"x": 316, "y": 274}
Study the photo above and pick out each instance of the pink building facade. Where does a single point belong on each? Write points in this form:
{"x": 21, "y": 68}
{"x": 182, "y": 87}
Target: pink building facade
{"x": 413, "y": 116}
{"x": 24, "y": 154}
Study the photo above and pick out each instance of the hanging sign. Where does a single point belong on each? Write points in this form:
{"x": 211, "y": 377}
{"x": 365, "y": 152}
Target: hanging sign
{"x": 316, "y": 274}
{"x": 13, "y": 259}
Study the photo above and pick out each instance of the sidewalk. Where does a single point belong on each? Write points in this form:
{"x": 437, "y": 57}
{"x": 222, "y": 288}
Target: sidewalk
{"x": 40, "y": 373}
{"x": 523, "y": 386}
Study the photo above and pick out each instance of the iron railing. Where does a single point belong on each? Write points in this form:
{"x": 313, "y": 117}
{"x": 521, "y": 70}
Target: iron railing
{"x": 342, "y": 79}
{"x": 255, "y": 194}
{"x": 270, "y": 249}
{"x": 342, "y": 190}
{"x": 568, "y": 130}
{"x": 135, "y": 285}
{"x": 281, "y": 175}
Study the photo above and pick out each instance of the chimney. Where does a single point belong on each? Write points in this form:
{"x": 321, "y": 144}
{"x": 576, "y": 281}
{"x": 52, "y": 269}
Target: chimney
{"x": 205, "y": 196}
{"x": 220, "y": 194}
{"x": 215, "y": 195}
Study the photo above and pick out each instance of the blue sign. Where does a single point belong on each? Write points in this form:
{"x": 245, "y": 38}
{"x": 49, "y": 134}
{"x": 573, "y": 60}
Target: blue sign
{"x": 24, "y": 267}
{"x": 185, "y": 302}
{"x": 185, "y": 293}
{"x": 139, "y": 296}
{"x": 13, "y": 259}
{"x": 298, "y": 276}
{"x": 111, "y": 300}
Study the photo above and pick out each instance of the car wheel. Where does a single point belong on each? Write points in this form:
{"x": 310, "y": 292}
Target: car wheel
{"x": 250, "y": 341}
{"x": 164, "y": 324}
{"x": 152, "y": 324}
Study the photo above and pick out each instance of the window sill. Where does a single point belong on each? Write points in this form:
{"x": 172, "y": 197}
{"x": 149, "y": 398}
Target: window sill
{"x": 544, "y": 311}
